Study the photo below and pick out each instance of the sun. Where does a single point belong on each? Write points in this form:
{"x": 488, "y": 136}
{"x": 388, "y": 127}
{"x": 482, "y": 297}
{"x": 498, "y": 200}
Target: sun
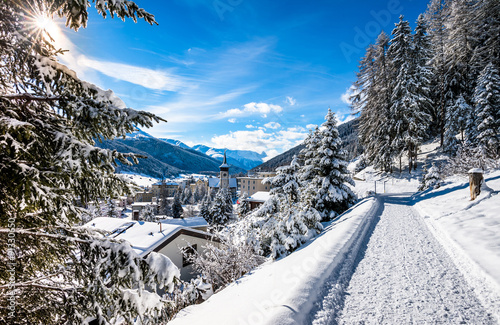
{"x": 43, "y": 22}
{"x": 47, "y": 24}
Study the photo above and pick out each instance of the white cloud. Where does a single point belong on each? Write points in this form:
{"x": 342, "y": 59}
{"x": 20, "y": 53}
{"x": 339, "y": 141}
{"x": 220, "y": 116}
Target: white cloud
{"x": 345, "y": 97}
{"x": 291, "y": 101}
{"x": 232, "y": 120}
{"x": 253, "y": 108}
{"x": 311, "y": 126}
{"x": 259, "y": 140}
{"x": 145, "y": 77}
{"x": 272, "y": 125}
{"x": 250, "y": 126}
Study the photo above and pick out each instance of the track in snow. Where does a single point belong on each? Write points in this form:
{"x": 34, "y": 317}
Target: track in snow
{"x": 402, "y": 275}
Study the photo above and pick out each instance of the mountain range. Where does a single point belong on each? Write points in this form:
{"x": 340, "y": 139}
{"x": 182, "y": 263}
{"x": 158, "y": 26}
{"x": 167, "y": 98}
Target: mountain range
{"x": 167, "y": 157}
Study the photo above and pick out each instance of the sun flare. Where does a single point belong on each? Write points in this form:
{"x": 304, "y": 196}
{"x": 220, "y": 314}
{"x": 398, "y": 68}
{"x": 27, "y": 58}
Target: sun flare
{"x": 48, "y": 27}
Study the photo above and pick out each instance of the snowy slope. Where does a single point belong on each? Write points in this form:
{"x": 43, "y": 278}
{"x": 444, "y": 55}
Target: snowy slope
{"x": 284, "y": 291}
{"x": 469, "y": 230}
{"x": 245, "y": 159}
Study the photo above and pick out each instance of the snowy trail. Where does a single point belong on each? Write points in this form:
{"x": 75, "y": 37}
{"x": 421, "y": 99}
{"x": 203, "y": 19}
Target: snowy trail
{"x": 402, "y": 276}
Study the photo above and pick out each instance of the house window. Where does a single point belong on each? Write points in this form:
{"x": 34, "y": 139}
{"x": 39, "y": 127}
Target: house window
{"x": 254, "y": 187}
{"x": 254, "y": 182}
{"x": 187, "y": 253}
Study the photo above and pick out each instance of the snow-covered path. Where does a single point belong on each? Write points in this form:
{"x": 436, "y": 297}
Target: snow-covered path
{"x": 402, "y": 276}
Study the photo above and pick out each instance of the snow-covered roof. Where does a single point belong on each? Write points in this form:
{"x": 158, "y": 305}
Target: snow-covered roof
{"x": 260, "y": 196}
{"x": 215, "y": 182}
{"x": 476, "y": 170}
{"x": 192, "y": 222}
{"x": 143, "y": 236}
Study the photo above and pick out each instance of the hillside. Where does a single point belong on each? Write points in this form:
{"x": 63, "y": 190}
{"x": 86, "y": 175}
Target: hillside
{"x": 348, "y": 132}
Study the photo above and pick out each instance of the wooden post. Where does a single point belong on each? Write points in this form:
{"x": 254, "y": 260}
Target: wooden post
{"x": 475, "y": 181}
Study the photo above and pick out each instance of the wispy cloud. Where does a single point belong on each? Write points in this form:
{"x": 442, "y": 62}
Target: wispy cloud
{"x": 346, "y": 96}
{"x": 148, "y": 78}
{"x": 291, "y": 101}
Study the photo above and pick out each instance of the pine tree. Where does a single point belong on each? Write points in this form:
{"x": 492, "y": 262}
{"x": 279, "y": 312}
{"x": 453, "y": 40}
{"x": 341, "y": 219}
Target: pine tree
{"x": 187, "y": 195}
{"x": 177, "y": 206}
{"x": 410, "y": 93}
{"x": 48, "y": 122}
{"x": 243, "y": 205}
{"x": 204, "y": 208}
{"x": 148, "y": 213}
{"x": 111, "y": 208}
{"x": 457, "y": 117}
{"x": 487, "y": 101}
{"x": 324, "y": 174}
{"x": 284, "y": 222}
{"x": 431, "y": 178}
{"x": 165, "y": 208}
{"x": 222, "y": 208}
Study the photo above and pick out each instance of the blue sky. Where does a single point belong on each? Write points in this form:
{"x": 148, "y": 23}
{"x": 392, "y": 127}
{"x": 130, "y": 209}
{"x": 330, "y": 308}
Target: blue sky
{"x": 241, "y": 74}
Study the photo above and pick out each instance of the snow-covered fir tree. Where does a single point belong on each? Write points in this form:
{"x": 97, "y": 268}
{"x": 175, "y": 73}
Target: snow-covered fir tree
{"x": 284, "y": 222}
{"x": 111, "y": 208}
{"x": 148, "y": 213}
{"x": 409, "y": 94}
{"x": 324, "y": 174}
{"x": 457, "y": 117}
{"x": 204, "y": 208}
{"x": 243, "y": 205}
{"x": 177, "y": 206}
{"x": 487, "y": 109}
{"x": 187, "y": 196}
{"x": 165, "y": 207}
{"x": 430, "y": 178}
{"x": 49, "y": 120}
{"x": 221, "y": 209}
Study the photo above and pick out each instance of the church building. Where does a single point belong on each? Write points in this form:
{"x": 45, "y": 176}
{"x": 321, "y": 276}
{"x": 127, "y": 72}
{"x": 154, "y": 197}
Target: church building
{"x": 224, "y": 181}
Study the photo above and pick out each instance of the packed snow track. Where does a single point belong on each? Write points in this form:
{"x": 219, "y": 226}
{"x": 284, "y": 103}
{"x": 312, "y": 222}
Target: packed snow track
{"x": 401, "y": 275}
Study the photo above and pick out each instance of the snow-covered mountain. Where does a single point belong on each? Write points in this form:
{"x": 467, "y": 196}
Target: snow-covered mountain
{"x": 244, "y": 159}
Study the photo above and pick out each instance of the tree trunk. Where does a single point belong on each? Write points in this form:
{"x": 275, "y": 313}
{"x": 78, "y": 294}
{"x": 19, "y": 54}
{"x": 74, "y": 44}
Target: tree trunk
{"x": 475, "y": 180}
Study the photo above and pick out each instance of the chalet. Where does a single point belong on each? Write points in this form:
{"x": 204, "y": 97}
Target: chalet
{"x": 170, "y": 240}
{"x": 138, "y": 206}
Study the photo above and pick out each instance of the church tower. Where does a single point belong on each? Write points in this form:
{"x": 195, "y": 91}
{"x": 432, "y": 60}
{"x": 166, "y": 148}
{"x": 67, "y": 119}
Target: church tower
{"x": 224, "y": 173}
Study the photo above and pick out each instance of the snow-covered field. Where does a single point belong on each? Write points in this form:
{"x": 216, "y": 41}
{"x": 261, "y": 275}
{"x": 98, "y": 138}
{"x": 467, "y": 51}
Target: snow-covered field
{"x": 140, "y": 180}
{"x": 395, "y": 258}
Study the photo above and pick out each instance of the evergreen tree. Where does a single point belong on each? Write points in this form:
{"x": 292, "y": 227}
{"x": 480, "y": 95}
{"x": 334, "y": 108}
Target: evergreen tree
{"x": 48, "y": 122}
{"x": 148, "y": 213}
{"x": 205, "y": 208}
{"x": 177, "y": 206}
{"x": 243, "y": 206}
{"x": 187, "y": 195}
{"x": 325, "y": 174}
{"x": 409, "y": 95}
{"x": 285, "y": 223}
{"x": 430, "y": 178}
{"x": 222, "y": 208}
{"x": 111, "y": 208}
{"x": 165, "y": 208}
{"x": 487, "y": 101}
{"x": 457, "y": 117}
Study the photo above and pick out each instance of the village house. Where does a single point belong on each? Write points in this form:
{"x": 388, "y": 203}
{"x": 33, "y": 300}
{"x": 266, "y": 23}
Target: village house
{"x": 170, "y": 240}
{"x": 253, "y": 183}
{"x": 257, "y": 199}
{"x": 224, "y": 181}
{"x": 169, "y": 187}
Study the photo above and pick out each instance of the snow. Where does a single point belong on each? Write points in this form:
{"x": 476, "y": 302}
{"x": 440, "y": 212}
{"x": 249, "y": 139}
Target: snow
{"x": 469, "y": 230}
{"x": 260, "y": 196}
{"x": 476, "y": 170}
{"x": 142, "y": 236}
{"x": 192, "y": 222}
{"x": 404, "y": 277}
{"x": 284, "y": 291}
{"x": 141, "y": 180}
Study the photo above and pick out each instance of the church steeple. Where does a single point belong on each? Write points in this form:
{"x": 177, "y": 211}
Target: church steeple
{"x": 224, "y": 173}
